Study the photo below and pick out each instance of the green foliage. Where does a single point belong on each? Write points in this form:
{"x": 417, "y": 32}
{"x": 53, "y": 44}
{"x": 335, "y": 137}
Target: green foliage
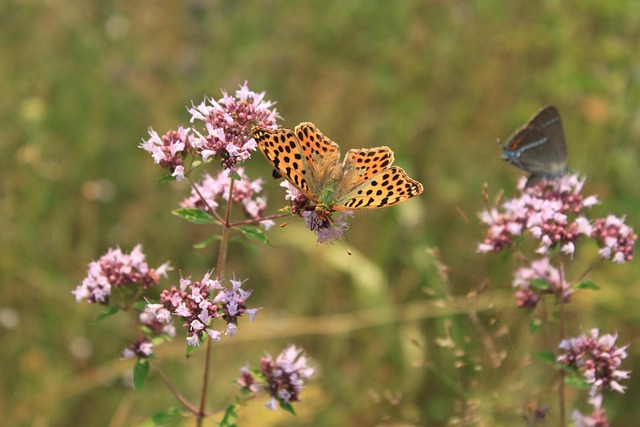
{"x": 254, "y": 233}
{"x": 140, "y": 373}
{"x": 194, "y": 215}
{"x": 587, "y": 284}
{"x": 165, "y": 417}
{"x": 107, "y": 312}
{"x": 230, "y": 416}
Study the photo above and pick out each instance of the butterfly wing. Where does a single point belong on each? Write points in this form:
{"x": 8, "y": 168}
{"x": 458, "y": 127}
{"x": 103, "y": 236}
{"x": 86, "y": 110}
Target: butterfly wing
{"x": 362, "y": 164}
{"x": 539, "y": 147}
{"x": 284, "y": 152}
{"x": 386, "y": 188}
{"x": 305, "y": 157}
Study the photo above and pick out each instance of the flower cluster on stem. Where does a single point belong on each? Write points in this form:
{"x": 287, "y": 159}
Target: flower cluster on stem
{"x": 282, "y": 378}
{"x": 114, "y": 270}
{"x": 537, "y": 279}
{"x": 228, "y": 122}
{"x": 597, "y": 358}
{"x": 553, "y": 213}
{"x": 199, "y": 303}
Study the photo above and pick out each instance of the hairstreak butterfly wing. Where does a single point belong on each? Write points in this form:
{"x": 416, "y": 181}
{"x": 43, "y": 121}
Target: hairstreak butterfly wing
{"x": 539, "y": 147}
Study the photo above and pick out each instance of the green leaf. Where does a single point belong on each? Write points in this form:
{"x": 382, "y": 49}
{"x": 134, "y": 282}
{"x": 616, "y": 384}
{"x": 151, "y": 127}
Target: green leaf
{"x": 206, "y": 242}
{"x": 255, "y": 234}
{"x": 576, "y": 380}
{"x": 230, "y": 416}
{"x": 545, "y": 356}
{"x": 534, "y": 325}
{"x": 141, "y": 305}
{"x": 109, "y": 311}
{"x": 196, "y": 164}
{"x": 166, "y": 178}
{"x": 162, "y": 418}
{"x": 587, "y": 284}
{"x": 192, "y": 348}
{"x": 126, "y": 290}
{"x": 287, "y": 407}
{"x": 539, "y": 284}
{"x": 140, "y": 373}
{"x": 245, "y": 244}
{"x": 196, "y": 216}
{"x": 235, "y": 176}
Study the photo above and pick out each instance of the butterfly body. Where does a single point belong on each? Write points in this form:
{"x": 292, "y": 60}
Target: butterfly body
{"x": 539, "y": 147}
{"x": 310, "y": 161}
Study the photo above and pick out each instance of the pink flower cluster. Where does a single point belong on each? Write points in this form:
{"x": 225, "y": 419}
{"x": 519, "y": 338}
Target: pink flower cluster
{"x": 617, "y": 240}
{"x": 201, "y": 302}
{"x": 227, "y": 132}
{"x": 228, "y": 122}
{"x": 170, "y": 150}
{"x": 283, "y": 378}
{"x": 598, "y": 418}
{"x": 552, "y": 213}
{"x": 597, "y": 359}
{"x": 244, "y": 192}
{"x": 529, "y": 294}
{"x": 116, "y": 269}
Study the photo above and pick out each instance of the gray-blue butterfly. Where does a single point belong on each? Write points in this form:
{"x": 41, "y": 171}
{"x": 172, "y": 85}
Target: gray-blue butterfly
{"x": 539, "y": 147}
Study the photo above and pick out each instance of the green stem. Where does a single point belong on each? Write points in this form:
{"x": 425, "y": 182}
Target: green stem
{"x": 561, "y": 388}
{"x": 222, "y": 257}
{"x": 210, "y": 208}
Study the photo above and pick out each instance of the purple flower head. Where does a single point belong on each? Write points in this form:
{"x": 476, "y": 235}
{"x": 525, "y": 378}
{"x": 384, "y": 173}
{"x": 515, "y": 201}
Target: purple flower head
{"x": 539, "y": 278}
{"x": 551, "y": 212}
{"x": 597, "y": 359}
{"x": 116, "y": 269}
{"x": 228, "y": 122}
{"x": 282, "y": 378}
{"x": 245, "y": 193}
{"x": 141, "y": 349}
{"x": 199, "y": 303}
{"x": 170, "y": 150}
{"x": 616, "y": 239}
{"x": 327, "y": 229}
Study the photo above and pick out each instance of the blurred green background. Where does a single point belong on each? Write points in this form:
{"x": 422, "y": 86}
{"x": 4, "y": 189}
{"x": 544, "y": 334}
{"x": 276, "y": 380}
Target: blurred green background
{"x": 415, "y": 328}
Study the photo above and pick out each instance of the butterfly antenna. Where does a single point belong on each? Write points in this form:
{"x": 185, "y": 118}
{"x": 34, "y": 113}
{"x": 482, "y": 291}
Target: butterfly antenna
{"x": 344, "y": 243}
{"x": 284, "y": 224}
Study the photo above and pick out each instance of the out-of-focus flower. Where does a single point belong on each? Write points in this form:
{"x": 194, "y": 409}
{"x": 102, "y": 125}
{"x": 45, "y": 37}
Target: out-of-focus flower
{"x": 244, "y": 192}
{"x": 539, "y": 278}
{"x": 597, "y": 418}
{"x": 282, "y": 378}
{"x": 142, "y": 349}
